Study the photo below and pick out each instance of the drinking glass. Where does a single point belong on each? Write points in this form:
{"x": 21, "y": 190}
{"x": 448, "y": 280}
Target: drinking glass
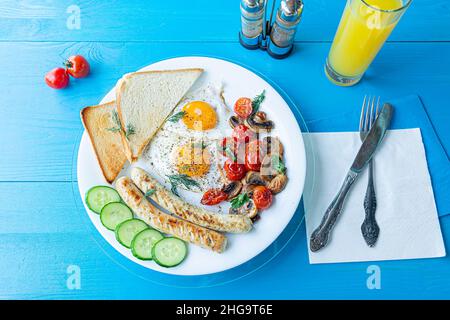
{"x": 365, "y": 25}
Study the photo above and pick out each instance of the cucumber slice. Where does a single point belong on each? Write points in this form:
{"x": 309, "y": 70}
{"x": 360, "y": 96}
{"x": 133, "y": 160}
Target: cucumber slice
{"x": 142, "y": 244}
{"x": 115, "y": 213}
{"x": 127, "y": 230}
{"x": 99, "y": 196}
{"x": 169, "y": 252}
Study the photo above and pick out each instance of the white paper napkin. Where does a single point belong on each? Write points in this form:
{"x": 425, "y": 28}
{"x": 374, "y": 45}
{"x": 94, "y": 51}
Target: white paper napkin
{"x": 406, "y": 211}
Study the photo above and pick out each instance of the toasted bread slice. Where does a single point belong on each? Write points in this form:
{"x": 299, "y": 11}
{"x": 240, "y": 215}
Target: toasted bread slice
{"x": 145, "y": 100}
{"x": 104, "y": 132}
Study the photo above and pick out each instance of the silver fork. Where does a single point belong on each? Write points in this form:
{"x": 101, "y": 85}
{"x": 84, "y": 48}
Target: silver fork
{"x": 369, "y": 228}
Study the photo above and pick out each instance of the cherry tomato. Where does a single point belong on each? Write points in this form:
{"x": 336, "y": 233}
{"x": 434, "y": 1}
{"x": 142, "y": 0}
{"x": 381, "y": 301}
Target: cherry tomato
{"x": 234, "y": 171}
{"x": 243, "y": 107}
{"x": 243, "y": 134}
{"x": 262, "y": 197}
{"x": 213, "y": 196}
{"x": 57, "y": 78}
{"x": 253, "y": 156}
{"x": 77, "y": 66}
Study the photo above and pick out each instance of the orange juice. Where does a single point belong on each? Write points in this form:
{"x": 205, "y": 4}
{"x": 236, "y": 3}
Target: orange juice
{"x": 365, "y": 25}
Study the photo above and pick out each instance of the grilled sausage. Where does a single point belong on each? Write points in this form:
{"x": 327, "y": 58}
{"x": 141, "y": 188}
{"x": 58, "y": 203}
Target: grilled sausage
{"x": 166, "y": 223}
{"x": 233, "y": 223}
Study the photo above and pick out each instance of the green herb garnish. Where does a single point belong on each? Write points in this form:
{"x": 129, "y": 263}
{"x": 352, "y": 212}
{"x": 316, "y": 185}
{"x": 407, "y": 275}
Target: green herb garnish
{"x": 181, "y": 179}
{"x": 177, "y": 116}
{"x": 277, "y": 164}
{"x": 149, "y": 193}
{"x": 130, "y": 130}
{"x": 258, "y": 100}
{"x": 239, "y": 201}
{"x": 230, "y": 154}
{"x": 115, "y": 118}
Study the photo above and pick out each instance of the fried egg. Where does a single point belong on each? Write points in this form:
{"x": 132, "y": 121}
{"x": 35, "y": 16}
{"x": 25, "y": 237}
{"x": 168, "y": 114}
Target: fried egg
{"x": 187, "y": 143}
{"x": 201, "y": 113}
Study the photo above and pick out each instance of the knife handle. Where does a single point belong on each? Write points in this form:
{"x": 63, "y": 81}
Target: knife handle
{"x": 320, "y": 236}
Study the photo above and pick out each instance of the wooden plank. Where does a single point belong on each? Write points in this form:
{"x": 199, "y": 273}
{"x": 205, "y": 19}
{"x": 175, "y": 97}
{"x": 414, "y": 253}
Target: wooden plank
{"x": 200, "y": 20}
{"x": 42, "y": 126}
{"x": 44, "y": 232}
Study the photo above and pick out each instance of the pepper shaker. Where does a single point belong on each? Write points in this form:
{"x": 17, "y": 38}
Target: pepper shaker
{"x": 283, "y": 31}
{"x": 252, "y": 20}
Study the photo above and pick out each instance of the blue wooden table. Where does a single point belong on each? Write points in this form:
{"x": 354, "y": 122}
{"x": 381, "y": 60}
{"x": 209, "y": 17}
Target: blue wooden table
{"x": 43, "y": 232}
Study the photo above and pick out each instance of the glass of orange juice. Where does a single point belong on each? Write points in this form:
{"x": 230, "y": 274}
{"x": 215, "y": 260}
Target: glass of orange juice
{"x": 365, "y": 25}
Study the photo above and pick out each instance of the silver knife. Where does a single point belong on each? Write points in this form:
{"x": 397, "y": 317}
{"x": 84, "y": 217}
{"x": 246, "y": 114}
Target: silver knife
{"x": 320, "y": 236}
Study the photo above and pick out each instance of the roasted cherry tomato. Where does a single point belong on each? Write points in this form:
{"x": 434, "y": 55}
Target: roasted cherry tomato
{"x": 77, "y": 66}
{"x": 213, "y": 197}
{"x": 57, "y": 78}
{"x": 262, "y": 197}
{"x": 243, "y": 134}
{"x": 243, "y": 107}
{"x": 253, "y": 156}
{"x": 234, "y": 171}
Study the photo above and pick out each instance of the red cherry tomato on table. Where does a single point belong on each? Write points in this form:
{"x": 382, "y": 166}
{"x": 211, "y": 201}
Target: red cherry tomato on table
{"x": 57, "y": 78}
{"x": 243, "y": 107}
{"x": 243, "y": 134}
{"x": 253, "y": 156}
{"x": 213, "y": 197}
{"x": 234, "y": 171}
{"x": 77, "y": 66}
{"x": 262, "y": 197}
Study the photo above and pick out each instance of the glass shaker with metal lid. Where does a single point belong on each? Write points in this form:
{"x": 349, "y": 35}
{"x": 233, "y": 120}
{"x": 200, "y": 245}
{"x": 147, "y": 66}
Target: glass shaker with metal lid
{"x": 252, "y": 20}
{"x": 282, "y": 33}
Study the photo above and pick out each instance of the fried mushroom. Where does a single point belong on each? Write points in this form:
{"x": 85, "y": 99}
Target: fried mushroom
{"x": 234, "y": 121}
{"x": 254, "y": 178}
{"x": 277, "y": 184}
{"x": 271, "y": 166}
{"x": 232, "y": 189}
{"x": 272, "y": 145}
{"x": 258, "y": 122}
{"x": 248, "y": 209}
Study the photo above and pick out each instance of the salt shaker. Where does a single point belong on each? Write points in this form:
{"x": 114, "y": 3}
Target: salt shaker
{"x": 252, "y": 20}
{"x": 282, "y": 33}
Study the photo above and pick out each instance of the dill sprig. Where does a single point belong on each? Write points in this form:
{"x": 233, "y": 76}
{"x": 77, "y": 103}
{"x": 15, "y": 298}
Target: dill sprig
{"x": 177, "y": 116}
{"x": 256, "y": 102}
{"x": 115, "y": 118}
{"x": 130, "y": 130}
{"x": 181, "y": 179}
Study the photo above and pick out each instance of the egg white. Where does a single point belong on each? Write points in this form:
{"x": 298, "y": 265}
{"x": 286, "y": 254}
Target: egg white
{"x": 161, "y": 154}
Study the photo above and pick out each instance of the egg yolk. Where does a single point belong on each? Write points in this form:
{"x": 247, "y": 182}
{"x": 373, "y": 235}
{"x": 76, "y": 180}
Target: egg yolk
{"x": 193, "y": 160}
{"x": 199, "y": 116}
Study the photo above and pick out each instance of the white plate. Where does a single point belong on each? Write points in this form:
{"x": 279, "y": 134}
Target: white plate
{"x": 238, "y": 82}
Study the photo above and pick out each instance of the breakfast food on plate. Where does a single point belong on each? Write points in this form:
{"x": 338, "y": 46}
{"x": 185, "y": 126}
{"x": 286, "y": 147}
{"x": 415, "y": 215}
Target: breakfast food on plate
{"x": 254, "y": 166}
{"x": 177, "y": 129}
{"x": 186, "y": 143}
{"x": 166, "y": 223}
{"x": 163, "y": 197}
{"x": 103, "y": 127}
{"x": 145, "y": 100}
